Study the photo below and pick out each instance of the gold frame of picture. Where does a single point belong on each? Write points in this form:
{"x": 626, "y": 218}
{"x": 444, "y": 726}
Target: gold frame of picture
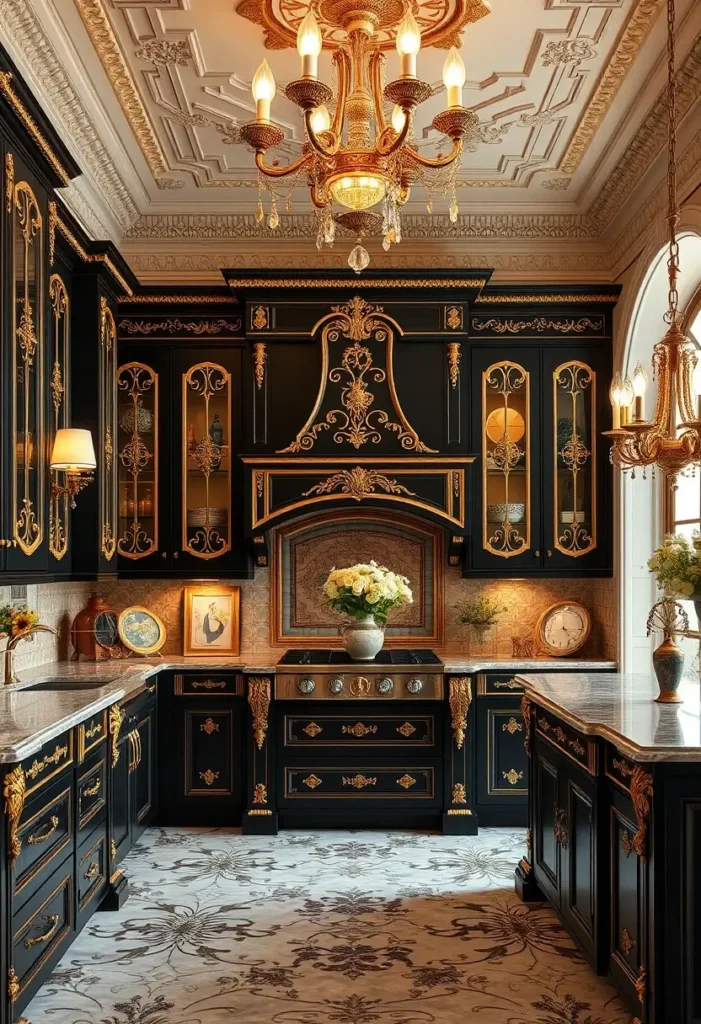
{"x": 213, "y": 590}
{"x": 144, "y": 651}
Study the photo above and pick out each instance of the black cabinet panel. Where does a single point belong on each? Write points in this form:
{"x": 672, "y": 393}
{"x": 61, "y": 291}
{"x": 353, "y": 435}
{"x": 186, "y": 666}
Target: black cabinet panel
{"x": 46, "y": 833}
{"x": 92, "y": 874}
{"x": 578, "y": 841}
{"x": 358, "y": 782}
{"x": 41, "y": 930}
{"x": 361, "y": 728}
{"x": 121, "y": 803}
{"x": 546, "y": 848}
{"x": 501, "y": 762}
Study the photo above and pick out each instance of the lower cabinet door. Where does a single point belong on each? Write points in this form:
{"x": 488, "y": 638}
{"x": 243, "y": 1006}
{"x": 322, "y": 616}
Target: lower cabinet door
{"x": 144, "y": 775}
{"x": 502, "y": 764}
{"x": 92, "y": 875}
{"x": 361, "y": 781}
{"x": 578, "y": 836}
{"x": 210, "y": 758}
{"x": 547, "y": 820}
{"x": 121, "y": 802}
{"x": 41, "y": 931}
{"x": 627, "y": 896}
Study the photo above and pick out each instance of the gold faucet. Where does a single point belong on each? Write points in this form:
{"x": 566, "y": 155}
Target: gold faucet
{"x": 9, "y": 676}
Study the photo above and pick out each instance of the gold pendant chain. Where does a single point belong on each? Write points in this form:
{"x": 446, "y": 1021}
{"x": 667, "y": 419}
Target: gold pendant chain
{"x": 672, "y": 316}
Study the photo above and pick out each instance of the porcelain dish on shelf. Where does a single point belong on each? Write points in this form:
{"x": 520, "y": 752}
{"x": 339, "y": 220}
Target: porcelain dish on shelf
{"x": 515, "y": 512}
{"x": 573, "y": 517}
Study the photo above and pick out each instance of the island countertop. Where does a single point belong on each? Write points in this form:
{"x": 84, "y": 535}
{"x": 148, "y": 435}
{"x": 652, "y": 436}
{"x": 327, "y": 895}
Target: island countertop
{"x": 621, "y": 709}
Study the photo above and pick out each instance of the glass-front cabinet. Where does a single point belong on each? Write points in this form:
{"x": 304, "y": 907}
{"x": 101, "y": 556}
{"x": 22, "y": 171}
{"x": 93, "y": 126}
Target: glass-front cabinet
{"x": 137, "y": 463}
{"x": 537, "y": 415}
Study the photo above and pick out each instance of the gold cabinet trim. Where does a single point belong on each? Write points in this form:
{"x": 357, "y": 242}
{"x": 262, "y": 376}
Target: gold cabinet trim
{"x": 136, "y": 380}
{"x": 199, "y": 381}
{"x": 108, "y": 430}
{"x": 575, "y": 378}
{"x": 504, "y": 542}
{"x": 59, "y": 499}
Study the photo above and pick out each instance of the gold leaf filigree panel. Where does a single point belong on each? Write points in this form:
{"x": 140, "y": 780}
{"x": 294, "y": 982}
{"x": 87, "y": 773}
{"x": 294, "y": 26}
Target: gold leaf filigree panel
{"x": 60, "y": 339}
{"x": 138, "y": 426}
{"x": 506, "y": 459}
{"x": 206, "y": 466}
{"x": 108, "y": 431}
{"x": 28, "y": 440}
{"x": 358, "y": 421}
{"x": 574, "y": 436}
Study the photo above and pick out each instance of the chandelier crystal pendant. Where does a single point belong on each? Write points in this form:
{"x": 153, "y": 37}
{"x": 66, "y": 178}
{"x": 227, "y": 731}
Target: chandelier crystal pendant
{"x": 355, "y": 157}
{"x": 671, "y": 440}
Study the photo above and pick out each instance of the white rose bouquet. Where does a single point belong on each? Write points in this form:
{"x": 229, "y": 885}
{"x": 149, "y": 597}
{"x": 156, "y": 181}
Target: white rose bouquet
{"x": 366, "y": 589}
{"x": 677, "y": 566}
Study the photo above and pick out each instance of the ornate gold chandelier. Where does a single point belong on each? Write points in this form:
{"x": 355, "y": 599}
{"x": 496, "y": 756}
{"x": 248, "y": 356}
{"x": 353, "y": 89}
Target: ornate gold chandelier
{"x": 357, "y": 157}
{"x": 671, "y": 440}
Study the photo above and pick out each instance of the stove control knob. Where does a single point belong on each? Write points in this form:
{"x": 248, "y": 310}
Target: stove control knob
{"x": 336, "y": 685}
{"x": 306, "y": 685}
{"x": 414, "y": 686}
{"x": 385, "y": 686}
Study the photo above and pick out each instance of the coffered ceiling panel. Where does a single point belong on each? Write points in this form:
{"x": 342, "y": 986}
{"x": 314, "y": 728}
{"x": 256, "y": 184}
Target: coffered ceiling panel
{"x": 542, "y": 75}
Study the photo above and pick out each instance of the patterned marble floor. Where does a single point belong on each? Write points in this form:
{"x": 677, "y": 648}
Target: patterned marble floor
{"x": 314, "y": 928}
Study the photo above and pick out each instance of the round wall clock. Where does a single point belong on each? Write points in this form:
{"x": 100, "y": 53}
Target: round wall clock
{"x": 563, "y": 628}
{"x": 141, "y": 631}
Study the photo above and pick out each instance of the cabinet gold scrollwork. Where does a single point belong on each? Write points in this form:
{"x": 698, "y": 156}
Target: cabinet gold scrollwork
{"x": 574, "y": 433}
{"x": 28, "y": 477}
{"x": 58, "y": 384}
{"x": 137, "y": 424}
{"x": 108, "y": 430}
{"x": 206, "y": 468}
{"x": 506, "y": 459}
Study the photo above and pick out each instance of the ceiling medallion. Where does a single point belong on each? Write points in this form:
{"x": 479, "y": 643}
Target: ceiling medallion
{"x": 354, "y": 157}
{"x": 670, "y": 441}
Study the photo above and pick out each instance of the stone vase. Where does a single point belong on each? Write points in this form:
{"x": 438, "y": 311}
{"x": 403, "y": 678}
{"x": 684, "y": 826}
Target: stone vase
{"x": 363, "y": 638}
{"x": 668, "y": 662}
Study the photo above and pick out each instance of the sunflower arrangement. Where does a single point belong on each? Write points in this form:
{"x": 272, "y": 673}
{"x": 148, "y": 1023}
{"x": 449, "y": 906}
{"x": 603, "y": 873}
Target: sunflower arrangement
{"x": 14, "y": 621}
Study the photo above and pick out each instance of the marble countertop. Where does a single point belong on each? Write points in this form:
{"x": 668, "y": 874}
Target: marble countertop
{"x": 454, "y": 663}
{"x": 621, "y": 709}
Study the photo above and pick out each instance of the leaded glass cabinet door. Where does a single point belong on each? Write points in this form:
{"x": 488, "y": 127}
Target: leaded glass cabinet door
{"x": 27, "y": 416}
{"x": 138, "y": 427}
{"x": 206, "y": 523}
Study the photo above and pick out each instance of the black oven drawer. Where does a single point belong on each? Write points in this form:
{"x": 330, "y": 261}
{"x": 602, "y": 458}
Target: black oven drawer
{"x": 359, "y": 781}
{"x": 360, "y": 727}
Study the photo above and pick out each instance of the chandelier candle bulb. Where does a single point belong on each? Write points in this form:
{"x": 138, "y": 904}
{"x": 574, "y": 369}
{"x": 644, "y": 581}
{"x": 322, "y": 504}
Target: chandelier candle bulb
{"x": 263, "y": 89}
{"x": 320, "y": 119}
{"x": 454, "y": 77}
{"x": 398, "y": 118}
{"x": 408, "y": 45}
{"x": 627, "y": 397}
{"x": 639, "y": 388}
{"x": 616, "y": 395}
{"x": 309, "y": 43}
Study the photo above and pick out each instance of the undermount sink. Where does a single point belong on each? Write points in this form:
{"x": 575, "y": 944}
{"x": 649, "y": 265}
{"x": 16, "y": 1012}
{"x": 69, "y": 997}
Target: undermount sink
{"x": 67, "y": 684}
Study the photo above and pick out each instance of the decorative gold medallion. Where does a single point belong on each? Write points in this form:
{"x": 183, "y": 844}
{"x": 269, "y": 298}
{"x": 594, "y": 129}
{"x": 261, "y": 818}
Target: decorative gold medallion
{"x": 209, "y": 776}
{"x": 459, "y": 796}
{"x": 260, "y": 793}
{"x": 209, "y": 726}
{"x": 454, "y": 363}
{"x": 358, "y": 483}
{"x": 512, "y": 726}
{"x": 260, "y": 318}
{"x": 259, "y": 363}
{"x": 358, "y": 730}
{"x": 512, "y": 776}
{"x": 359, "y": 781}
{"x": 312, "y": 729}
{"x": 406, "y": 781}
{"x": 453, "y": 317}
{"x": 312, "y": 781}
{"x": 406, "y": 730}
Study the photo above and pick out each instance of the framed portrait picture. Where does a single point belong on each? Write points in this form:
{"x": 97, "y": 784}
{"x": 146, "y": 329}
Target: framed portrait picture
{"x": 212, "y": 622}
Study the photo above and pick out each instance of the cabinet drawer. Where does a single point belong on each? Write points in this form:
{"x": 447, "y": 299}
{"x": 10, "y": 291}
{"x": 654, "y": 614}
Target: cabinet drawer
{"x": 53, "y": 758}
{"x": 91, "y": 734}
{"x": 498, "y": 684}
{"x": 208, "y": 684}
{"x": 93, "y": 865}
{"x": 208, "y": 741}
{"x": 502, "y": 765}
{"x": 360, "y": 781}
{"x": 357, "y": 729}
{"x": 45, "y": 833}
{"x": 572, "y": 743}
{"x": 41, "y": 930}
{"x": 92, "y": 794}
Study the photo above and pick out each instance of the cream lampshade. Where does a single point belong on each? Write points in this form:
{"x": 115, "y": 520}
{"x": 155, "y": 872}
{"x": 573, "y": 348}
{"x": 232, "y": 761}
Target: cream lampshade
{"x": 73, "y": 450}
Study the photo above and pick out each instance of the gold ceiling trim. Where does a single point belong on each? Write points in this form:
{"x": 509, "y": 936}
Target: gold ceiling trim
{"x": 26, "y": 118}
{"x": 178, "y": 298}
{"x": 441, "y": 24}
{"x": 538, "y": 299}
{"x": 630, "y": 43}
{"x": 105, "y": 42}
{"x": 87, "y": 257}
{"x": 341, "y": 282}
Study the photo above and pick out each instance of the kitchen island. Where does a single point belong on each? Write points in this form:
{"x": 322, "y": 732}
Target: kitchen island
{"x": 614, "y": 836}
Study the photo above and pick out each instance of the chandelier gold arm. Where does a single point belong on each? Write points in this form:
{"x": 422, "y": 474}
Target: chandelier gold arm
{"x": 342, "y": 60}
{"x": 377, "y": 60}
{"x": 439, "y": 161}
{"x": 389, "y": 142}
{"x": 315, "y": 140}
{"x": 281, "y": 172}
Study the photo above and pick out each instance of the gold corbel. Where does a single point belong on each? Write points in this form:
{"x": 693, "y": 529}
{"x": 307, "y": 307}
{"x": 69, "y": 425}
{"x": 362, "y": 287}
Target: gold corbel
{"x": 14, "y": 790}
{"x": 527, "y": 715}
{"x": 259, "y": 703}
{"x": 115, "y": 719}
{"x": 459, "y": 699}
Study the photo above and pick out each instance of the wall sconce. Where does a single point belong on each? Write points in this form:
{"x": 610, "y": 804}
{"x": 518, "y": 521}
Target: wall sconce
{"x": 73, "y": 454}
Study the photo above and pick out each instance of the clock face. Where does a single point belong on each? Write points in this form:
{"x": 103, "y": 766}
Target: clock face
{"x": 106, "y": 629}
{"x": 565, "y": 628}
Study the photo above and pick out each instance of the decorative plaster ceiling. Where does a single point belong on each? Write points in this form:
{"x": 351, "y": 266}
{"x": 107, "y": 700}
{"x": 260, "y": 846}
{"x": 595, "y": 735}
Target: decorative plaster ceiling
{"x": 567, "y": 91}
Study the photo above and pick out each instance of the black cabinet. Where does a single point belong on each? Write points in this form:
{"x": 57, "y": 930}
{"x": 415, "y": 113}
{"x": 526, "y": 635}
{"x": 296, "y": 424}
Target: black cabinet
{"x": 501, "y": 765}
{"x": 201, "y": 722}
{"x": 541, "y": 488}
{"x": 179, "y": 424}
{"x": 134, "y": 773}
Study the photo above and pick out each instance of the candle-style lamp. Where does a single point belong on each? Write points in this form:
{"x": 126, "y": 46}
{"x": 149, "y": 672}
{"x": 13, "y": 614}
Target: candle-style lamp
{"x": 263, "y": 89}
{"x": 73, "y": 454}
{"x": 408, "y": 45}
{"x": 639, "y": 389}
{"x": 454, "y": 78}
{"x": 309, "y": 43}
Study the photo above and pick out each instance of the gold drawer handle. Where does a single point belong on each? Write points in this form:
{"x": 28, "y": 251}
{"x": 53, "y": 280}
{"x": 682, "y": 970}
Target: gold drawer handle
{"x": 94, "y": 789}
{"x": 41, "y": 837}
{"x": 359, "y": 781}
{"x": 39, "y": 766}
{"x": 507, "y": 684}
{"x": 94, "y": 730}
{"x": 91, "y": 871}
{"x": 53, "y": 925}
{"x": 209, "y": 684}
{"x": 358, "y": 730}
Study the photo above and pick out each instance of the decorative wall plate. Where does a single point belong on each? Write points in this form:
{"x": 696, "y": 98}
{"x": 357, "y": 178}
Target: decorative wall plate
{"x": 141, "y": 631}
{"x": 515, "y": 425}
{"x": 563, "y": 628}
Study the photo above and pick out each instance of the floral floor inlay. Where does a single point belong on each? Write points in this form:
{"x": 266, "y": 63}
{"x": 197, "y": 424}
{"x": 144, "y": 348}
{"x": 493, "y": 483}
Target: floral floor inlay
{"x": 325, "y": 928}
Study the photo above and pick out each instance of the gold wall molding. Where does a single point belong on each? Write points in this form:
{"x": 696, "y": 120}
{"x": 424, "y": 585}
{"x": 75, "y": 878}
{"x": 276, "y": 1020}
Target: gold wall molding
{"x": 176, "y": 326}
{"x": 454, "y": 357}
{"x": 178, "y": 299}
{"x": 59, "y": 517}
{"x": 8, "y": 92}
{"x": 538, "y": 324}
{"x": 358, "y": 483}
{"x": 537, "y": 300}
{"x": 87, "y": 257}
{"x": 389, "y": 282}
{"x": 105, "y": 42}
{"x": 259, "y": 358}
{"x": 630, "y": 42}
{"x": 9, "y": 180}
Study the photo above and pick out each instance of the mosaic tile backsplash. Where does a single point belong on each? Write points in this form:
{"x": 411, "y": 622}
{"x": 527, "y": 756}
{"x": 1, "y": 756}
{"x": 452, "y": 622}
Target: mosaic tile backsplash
{"x": 57, "y": 603}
